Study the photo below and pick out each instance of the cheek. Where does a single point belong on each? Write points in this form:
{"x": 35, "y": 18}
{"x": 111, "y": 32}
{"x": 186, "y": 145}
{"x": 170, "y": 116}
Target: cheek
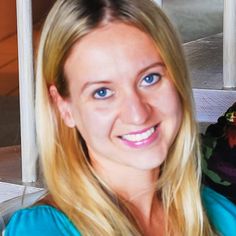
{"x": 95, "y": 123}
{"x": 175, "y": 105}
{"x": 175, "y": 115}
{"x": 167, "y": 102}
{"x": 171, "y": 100}
{"x": 174, "y": 108}
{"x": 170, "y": 109}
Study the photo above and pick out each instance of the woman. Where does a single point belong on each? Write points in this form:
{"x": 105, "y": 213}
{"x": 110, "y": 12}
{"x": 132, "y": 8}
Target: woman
{"x": 117, "y": 137}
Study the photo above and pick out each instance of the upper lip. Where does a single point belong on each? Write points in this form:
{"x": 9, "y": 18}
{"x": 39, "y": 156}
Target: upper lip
{"x": 139, "y": 131}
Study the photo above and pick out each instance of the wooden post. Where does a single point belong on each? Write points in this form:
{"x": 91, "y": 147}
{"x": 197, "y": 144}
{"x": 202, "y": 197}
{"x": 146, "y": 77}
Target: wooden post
{"x": 26, "y": 86}
{"x": 229, "y": 58}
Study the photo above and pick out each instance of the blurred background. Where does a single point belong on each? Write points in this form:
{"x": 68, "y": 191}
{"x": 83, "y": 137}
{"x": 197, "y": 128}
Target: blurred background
{"x": 195, "y": 19}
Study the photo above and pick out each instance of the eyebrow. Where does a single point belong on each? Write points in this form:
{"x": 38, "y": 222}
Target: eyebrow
{"x": 89, "y": 83}
{"x": 155, "y": 64}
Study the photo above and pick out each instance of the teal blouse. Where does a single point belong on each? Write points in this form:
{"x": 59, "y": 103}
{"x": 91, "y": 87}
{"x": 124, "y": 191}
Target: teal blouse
{"x": 48, "y": 221}
{"x": 40, "y": 220}
{"x": 221, "y": 212}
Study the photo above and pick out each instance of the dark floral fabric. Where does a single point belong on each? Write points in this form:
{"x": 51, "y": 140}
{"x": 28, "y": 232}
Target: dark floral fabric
{"x": 219, "y": 155}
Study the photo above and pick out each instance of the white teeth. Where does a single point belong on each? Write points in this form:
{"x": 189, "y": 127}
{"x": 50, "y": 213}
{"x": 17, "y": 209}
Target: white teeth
{"x": 139, "y": 137}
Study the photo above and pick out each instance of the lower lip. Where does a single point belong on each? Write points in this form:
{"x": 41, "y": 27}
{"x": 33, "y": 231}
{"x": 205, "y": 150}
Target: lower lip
{"x": 143, "y": 143}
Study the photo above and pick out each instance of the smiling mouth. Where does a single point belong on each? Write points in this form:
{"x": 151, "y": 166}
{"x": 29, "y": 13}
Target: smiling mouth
{"x": 139, "y": 136}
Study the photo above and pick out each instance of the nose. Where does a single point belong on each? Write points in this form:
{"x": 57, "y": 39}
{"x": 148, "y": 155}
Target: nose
{"x": 135, "y": 109}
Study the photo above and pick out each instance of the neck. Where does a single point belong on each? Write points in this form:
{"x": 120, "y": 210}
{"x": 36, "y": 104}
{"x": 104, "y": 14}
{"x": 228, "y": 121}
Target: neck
{"x": 140, "y": 193}
{"x": 137, "y": 187}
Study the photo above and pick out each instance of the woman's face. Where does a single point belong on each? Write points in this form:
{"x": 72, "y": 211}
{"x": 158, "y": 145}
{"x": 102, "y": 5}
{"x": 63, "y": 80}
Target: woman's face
{"x": 122, "y": 99}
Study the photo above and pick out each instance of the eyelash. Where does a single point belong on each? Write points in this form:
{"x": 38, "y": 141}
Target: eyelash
{"x": 155, "y": 77}
{"x": 99, "y": 97}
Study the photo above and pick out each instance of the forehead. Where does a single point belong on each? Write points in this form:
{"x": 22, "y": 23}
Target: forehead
{"x": 115, "y": 46}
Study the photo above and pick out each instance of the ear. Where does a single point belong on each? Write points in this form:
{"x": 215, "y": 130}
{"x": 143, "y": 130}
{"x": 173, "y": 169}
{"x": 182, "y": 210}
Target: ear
{"x": 63, "y": 106}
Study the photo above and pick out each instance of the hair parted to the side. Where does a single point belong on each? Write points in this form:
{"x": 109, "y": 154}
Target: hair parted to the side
{"x": 70, "y": 179}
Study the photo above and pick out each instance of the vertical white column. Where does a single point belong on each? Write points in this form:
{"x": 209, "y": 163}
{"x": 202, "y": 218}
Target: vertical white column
{"x": 26, "y": 86}
{"x": 229, "y": 54}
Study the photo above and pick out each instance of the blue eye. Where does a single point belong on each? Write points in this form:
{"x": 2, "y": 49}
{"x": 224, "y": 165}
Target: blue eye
{"x": 102, "y": 93}
{"x": 150, "y": 79}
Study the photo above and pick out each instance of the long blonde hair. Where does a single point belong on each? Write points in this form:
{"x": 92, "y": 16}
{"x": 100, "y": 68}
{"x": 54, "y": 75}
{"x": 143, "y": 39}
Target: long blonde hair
{"x": 74, "y": 186}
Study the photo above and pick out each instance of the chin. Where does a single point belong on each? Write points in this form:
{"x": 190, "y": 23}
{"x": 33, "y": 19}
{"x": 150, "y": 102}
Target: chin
{"x": 149, "y": 163}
